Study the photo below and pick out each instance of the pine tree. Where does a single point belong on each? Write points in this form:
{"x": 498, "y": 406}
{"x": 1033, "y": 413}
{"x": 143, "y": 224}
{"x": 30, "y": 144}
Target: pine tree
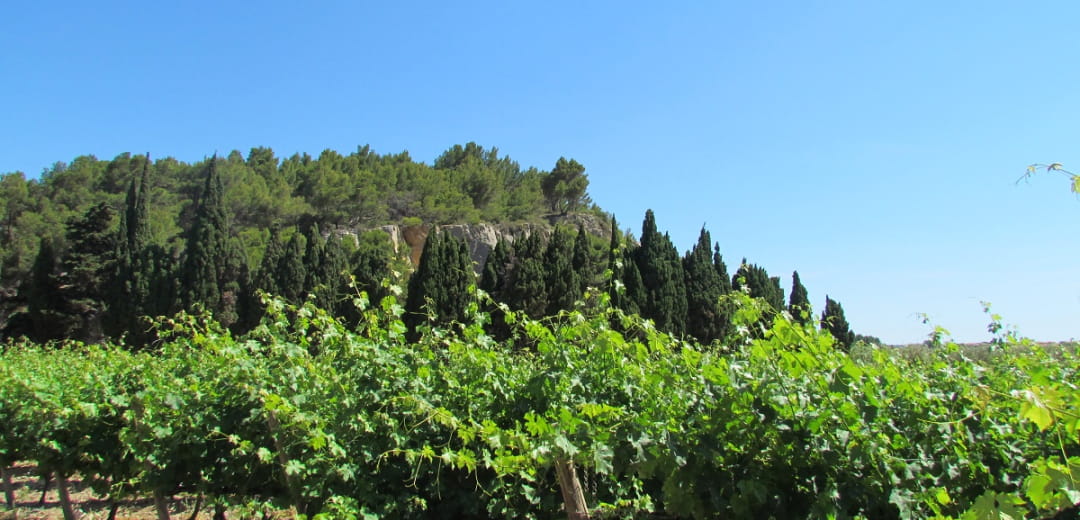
{"x": 662, "y": 275}
{"x": 833, "y": 320}
{"x": 703, "y": 290}
{"x": 799, "y": 304}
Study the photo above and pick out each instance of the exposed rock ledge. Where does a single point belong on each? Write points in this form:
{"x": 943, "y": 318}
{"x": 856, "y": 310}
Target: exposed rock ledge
{"x": 481, "y": 238}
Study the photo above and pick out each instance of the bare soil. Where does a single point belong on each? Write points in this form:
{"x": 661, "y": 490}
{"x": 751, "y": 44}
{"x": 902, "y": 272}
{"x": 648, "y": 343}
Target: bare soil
{"x": 29, "y": 491}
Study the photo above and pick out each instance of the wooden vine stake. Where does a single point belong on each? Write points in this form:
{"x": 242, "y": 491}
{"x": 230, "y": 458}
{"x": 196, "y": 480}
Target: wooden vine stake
{"x": 161, "y": 505}
{"x": 283, "y": 459}
{"x": 572, "y": 493}
{"x": 9, "y": 489}
{"x": 65, "y": 496}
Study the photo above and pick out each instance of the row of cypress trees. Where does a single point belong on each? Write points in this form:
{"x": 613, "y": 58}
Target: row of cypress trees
{"x": 682, "y": 295}
{"x": 117, "y": 280}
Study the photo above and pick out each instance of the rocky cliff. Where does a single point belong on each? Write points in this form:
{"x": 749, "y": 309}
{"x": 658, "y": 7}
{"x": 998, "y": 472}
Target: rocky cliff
{"x": 481, "y": 238}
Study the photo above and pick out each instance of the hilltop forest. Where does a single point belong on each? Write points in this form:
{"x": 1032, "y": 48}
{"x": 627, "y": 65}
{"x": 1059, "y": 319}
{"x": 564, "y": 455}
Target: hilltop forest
{"x": 92, "y": 248}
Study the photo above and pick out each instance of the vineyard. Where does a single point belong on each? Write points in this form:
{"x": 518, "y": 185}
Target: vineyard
{"x": 590, "y": 413}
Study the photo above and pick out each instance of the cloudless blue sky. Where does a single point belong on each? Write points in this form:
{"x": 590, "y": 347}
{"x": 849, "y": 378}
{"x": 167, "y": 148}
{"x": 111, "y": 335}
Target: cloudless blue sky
{"x": 872, "y": 146}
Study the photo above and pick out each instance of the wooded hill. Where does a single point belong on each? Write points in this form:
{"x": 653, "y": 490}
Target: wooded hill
{"x": 91, "y": 248}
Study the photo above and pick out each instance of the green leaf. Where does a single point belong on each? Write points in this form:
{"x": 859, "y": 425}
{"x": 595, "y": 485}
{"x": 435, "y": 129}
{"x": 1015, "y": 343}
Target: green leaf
{"x": 294, "y": 467}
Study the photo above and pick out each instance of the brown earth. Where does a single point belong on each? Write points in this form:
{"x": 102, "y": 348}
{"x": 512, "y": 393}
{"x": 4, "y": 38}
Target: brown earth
{"x": 28, "y": 486}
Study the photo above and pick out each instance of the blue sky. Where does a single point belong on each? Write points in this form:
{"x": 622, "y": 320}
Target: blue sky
{"x": 871, "y": 146}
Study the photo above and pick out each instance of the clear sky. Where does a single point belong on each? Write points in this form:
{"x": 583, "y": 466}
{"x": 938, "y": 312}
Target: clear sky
{"x": 872, "y": 146}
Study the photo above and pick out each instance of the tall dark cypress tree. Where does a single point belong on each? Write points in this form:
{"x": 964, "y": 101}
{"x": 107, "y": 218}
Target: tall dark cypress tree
{"x": 799, "y": 303}
{"x": 493, "y": 277}
{"x": 336, "y": 271}
{"x": 371, "y": 265}
{"x": 624, "y": 271}
{"x": 136, "y": 289}
{"x": 89, "y": 264}
{"x": 833, "y": 320}
{"x": 662, "y": 275}
{"x": 441, "y": 281}
{"x": 316, "y": 270}
{"x": 760, "y": 284}
{"x": 290, "y": 275}
{"x": 583, "y": 261}
{"x": 562, "y": 282}
{"x": 703, "y": 290}
{"x": 49, "y": 317}
{"x": 526, "y": 285}
{"x": 266, "y": 278}
{"x": 615, "y": 254}
{"x": 209, "y": 274}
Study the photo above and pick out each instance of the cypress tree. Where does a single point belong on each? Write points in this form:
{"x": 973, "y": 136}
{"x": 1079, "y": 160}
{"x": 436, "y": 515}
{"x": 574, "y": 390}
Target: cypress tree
{"x": 136, "y": 274}
{"x": 319, "y": 277}
{"x": 493, "y": 277}
{"x": 634, "y": 296}
{"x": 526, "y": 287}
{"x": 799, "y": 304}
{"x": 210, "y": 271}
{"x": 760, "y": 284}
{"x": 290, "y": 275}
{"x": 562, "y": 282}
{"x": 721, "y": 270}
{"x": 583, "y": 262}
{"x": 48, "y": 317}
{"x": 89, "y": 264}
{"x": 336, "y": 273}
{"x": 371, "y": 264}
{"x": 662, "y": 275}
{"x": 624, "y": 271}
{"x": 703, "y": 290}
{"x": 441, "y": 281}
{"x": 266, "y": 279}
{"x": 726, "y": 310}
{"x": 833, "y": 320}
{"x": 615, "y": 254}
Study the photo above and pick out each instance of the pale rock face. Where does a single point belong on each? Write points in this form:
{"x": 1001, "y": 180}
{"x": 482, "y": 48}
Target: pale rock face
{"x": 481, "y": 238}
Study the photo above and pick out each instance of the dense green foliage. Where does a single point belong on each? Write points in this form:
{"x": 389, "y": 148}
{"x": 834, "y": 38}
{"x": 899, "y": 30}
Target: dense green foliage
{"x": 216, "y": 235}
{"x": 306, "y": 414}
{"x": 195, "y": 234}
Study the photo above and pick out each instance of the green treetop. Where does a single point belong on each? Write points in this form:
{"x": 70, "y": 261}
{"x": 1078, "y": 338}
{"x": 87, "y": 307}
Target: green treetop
{"x": 565, "y": 187}
{"x": 704, "y": 287}
{"x": 799, "y": 303}
{"x": 833, "y": 320}
{"x": 662, "y": 277}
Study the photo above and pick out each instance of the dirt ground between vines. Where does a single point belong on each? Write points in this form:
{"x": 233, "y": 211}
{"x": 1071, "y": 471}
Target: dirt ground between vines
{"x": 27, "y": 485}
